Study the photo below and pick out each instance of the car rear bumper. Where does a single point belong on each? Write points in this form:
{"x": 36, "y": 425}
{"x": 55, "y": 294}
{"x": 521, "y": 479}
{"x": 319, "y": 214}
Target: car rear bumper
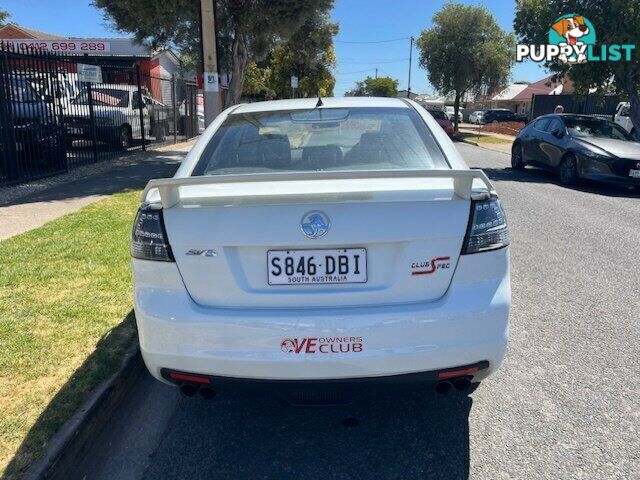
{"x": 469, "y": 324}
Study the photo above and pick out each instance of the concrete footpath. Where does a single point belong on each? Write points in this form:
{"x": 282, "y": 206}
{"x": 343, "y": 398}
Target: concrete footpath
{"x": 29, "y": 206}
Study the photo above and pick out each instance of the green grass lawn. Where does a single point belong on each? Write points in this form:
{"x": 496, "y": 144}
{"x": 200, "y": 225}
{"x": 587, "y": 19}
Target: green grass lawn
{"x": 65, "y": 320}
{"x": 483, "y": 138}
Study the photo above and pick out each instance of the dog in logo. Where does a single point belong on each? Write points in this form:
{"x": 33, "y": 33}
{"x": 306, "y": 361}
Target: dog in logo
{"x": 288, "y": 345}
{"x": 571, "y": 29}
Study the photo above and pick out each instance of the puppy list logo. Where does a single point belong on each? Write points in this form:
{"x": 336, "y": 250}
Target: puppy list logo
{"x": 572, "y": 39}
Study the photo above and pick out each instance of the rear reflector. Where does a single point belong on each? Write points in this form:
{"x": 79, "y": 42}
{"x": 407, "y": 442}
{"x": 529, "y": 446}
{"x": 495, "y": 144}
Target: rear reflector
{"x": 458, "y": 373}
{"x": 188, "y": 378}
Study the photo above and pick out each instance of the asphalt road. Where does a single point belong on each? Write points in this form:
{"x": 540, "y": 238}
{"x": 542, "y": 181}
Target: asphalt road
{"x": 565, "y": 404}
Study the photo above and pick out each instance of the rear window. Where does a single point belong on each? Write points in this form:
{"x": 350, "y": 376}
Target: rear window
{"x": 438, "y": 114}
{"x": 21, "y": 92}
{"x": 320, "y": 140}
{"x": 594, "y": 127}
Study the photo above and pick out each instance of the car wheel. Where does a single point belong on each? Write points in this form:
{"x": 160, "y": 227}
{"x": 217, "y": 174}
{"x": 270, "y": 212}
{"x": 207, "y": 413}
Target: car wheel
{"x": 568, "y": 170}
{"x": 495, "y": 121}
{"x": 159, "y": 132}
{"x": 124, "y": 138}
{"x": 517, "y": 162}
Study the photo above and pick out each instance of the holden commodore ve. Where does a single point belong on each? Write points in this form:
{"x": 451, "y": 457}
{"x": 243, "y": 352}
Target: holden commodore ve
{"x": 322, "y": 240}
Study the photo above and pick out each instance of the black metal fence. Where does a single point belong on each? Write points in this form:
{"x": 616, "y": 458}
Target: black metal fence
{"x": 599, "y": 105}
{"x": 51, "y": 122}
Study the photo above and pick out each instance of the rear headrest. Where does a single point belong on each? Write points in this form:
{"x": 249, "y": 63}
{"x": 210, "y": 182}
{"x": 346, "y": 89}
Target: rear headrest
{"x": 321, "y": 157}
{"x": 370, "y": 148}
{"x": 276, "y": 150}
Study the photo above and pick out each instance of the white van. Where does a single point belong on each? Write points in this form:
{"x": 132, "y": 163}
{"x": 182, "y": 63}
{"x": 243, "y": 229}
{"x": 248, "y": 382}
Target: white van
{"x": 622, "y": 118}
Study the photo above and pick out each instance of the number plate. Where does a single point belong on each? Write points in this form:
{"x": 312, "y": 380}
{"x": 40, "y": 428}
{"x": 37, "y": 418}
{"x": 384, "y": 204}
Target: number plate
{"x": 634, "y": 173}
{"x": 313, "y": 267}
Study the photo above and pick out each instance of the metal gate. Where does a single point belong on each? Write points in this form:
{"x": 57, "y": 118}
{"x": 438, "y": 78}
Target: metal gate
{"x": 51, "y": 122}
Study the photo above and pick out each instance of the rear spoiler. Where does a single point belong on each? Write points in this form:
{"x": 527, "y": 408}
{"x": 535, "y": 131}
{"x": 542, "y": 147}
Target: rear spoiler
{"x": 169, "y": 188}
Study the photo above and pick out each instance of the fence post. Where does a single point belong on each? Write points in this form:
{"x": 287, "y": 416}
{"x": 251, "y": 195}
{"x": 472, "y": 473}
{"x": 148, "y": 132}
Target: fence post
{"x": 175, "y": 108}
{"x": 6, "y": 121}
{"x": 92, "y": 121}
{"x": 532, "y": 115}
{"x": 140, "y": 105}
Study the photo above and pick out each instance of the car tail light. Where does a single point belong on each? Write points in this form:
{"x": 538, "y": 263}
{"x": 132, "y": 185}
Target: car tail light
{"x": 149, "y": 237}
{"x": 487, "y": 227}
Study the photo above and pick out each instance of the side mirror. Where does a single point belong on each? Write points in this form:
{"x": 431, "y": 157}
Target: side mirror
{"x": 556, "y": 132}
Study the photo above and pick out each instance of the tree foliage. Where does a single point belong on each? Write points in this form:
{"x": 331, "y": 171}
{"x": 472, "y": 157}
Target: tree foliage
{"x": 4, "y": 16}
{"x": 465, "y": 50}
{"x": 257, "y": 84}
{"x": 247, "y": 29}
{"x": 375, "y": 87}
{"x": 308, "y": 55}
{"x": 615, "y": 22}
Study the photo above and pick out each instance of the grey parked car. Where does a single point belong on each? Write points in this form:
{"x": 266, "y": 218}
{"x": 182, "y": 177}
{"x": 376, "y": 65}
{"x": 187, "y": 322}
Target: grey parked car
{"x": 579, "y": 146}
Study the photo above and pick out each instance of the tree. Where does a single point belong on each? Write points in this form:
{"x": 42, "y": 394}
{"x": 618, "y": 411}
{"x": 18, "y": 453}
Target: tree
{"x": 256, "y": 84}
{"x": 615, "y": 22}
{"x": 4, "y": 16}
{"x": 308, "y": 55}
{"x": 247, "y": 29}
{"x": 375, "y": 87}
{"x": 464, "y": 51}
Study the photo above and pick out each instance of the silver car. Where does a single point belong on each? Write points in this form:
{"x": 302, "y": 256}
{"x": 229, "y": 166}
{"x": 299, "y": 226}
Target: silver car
{"x": 476, "y": 117}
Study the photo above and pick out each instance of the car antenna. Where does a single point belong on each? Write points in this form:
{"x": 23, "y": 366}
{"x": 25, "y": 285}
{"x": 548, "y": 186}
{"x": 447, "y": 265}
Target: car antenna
{"x": 319, "y": 104}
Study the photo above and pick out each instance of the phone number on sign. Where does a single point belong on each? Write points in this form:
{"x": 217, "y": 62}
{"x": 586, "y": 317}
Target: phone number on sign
{"x": 62, "y": 46}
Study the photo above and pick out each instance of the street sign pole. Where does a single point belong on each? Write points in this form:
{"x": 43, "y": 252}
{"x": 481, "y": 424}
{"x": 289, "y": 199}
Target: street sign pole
{"x": 209, "y": 61}
{"x": 410, "y": 54}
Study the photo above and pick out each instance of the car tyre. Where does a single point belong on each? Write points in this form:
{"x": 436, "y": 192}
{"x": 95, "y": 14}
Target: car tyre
{"x": 568, "y": 170}
{"x": 159, "y": 131}
{"x": 125, "y": 139}
{"x": 517, "y": 162}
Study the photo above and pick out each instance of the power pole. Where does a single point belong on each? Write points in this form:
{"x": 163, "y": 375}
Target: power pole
{"x": 410, "y": 52}
{"x": 376, "y": 73}
{"x": 209, "y": 61}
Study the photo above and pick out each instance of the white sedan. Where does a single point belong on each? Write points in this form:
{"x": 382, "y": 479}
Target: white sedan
{"x": 333, "y": 240}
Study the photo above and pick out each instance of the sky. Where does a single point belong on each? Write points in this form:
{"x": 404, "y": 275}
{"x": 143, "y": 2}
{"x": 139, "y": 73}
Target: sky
{"x": 381, "y": 20}
{"x": 388, "y": 23}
